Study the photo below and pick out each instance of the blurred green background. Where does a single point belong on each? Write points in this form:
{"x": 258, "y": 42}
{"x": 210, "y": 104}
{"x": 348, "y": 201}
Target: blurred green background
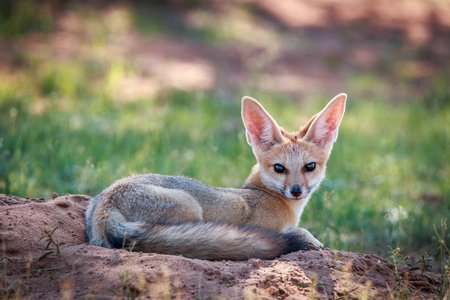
{"x": 94, "y": 91}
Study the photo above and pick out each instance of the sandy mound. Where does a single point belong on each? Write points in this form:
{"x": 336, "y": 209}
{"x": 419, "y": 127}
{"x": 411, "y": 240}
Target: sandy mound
{"x": 71, "y": 268}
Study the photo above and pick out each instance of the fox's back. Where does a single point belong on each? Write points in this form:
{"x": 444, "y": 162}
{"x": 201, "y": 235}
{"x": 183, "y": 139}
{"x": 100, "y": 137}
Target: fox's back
{"x": 201, "y": 191}
{"x": 161, "y": 198}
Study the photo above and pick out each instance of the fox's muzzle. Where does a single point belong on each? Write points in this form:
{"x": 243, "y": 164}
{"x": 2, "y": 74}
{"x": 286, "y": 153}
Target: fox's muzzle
{"x": 296, "y": 191}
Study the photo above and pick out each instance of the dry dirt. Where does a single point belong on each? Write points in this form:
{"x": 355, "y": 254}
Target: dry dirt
{"x": 81, "y": 270}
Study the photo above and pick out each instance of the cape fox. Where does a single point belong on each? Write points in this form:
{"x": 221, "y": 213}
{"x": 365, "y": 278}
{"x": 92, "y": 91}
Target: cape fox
{"x": 179, "y": 215}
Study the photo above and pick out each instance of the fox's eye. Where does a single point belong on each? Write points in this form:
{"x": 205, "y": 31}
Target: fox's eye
{"x": 279, "y": 168}
{"x": 310, "y": 167}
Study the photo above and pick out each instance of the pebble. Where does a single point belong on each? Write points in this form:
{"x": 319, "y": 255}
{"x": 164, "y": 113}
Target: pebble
{"x": 255, "y": 263}
{"x": 273, "y": 291}
{"x": 16, "y": 287}
{"x": 77, "y": 264}
{"x": 227, "y": 276}
{"x": 62, "y": 204}
{"x": 114, "y": 258}
{"x": 152, "y": 278}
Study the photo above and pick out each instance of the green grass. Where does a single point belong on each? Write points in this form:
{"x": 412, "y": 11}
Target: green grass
{"x": 387, "y": 178}
{"x": 19, "y": 17}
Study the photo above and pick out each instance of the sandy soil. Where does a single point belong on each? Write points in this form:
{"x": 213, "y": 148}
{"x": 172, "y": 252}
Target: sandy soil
{"x": 80, "y": 270}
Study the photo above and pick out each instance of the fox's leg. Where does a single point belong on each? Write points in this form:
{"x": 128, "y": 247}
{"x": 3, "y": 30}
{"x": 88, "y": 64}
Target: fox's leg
{"x": 154, "y": 204}
{"x": 307, "y": 236}
{"x": 173, "y": 205}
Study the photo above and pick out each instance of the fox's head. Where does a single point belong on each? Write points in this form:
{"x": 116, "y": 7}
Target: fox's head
{"x": 291, "y": 164}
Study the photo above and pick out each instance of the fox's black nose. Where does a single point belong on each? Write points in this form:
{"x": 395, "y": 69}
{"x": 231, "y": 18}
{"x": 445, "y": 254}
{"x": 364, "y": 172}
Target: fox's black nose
{"x": 296, "y": 191}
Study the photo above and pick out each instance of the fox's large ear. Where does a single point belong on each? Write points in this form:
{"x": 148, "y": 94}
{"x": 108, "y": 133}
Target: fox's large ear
{"x": 304, "y": 129}
{"x": 262, "y": 130}
{"x": 323, "y": 131}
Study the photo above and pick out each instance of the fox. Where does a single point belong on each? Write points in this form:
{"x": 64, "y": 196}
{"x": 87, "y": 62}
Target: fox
{"x": 178, "y": 215}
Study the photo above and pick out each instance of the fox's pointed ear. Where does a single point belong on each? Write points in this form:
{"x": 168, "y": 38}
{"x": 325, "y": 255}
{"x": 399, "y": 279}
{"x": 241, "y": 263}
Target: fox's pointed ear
{"x": 262, "y": 130}
{"x": 323, "y": 130}
{"x": 304, "y": 129}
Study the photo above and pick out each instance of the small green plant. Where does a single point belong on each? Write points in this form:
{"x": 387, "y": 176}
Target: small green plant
{"x": 423, "y": 264}
{"x": 401, "y": 289}
{"x": 128, "y": 289}
{"x": 444, "y": 256}
{"x": 48, "y": 235}
{"x": 314, "y": 286}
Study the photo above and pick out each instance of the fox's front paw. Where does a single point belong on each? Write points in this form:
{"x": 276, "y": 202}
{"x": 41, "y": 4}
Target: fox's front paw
{"x": 310, "y": 238}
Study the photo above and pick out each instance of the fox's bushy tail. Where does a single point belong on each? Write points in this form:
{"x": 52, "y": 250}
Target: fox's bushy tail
{"x": 203, "y": 240}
